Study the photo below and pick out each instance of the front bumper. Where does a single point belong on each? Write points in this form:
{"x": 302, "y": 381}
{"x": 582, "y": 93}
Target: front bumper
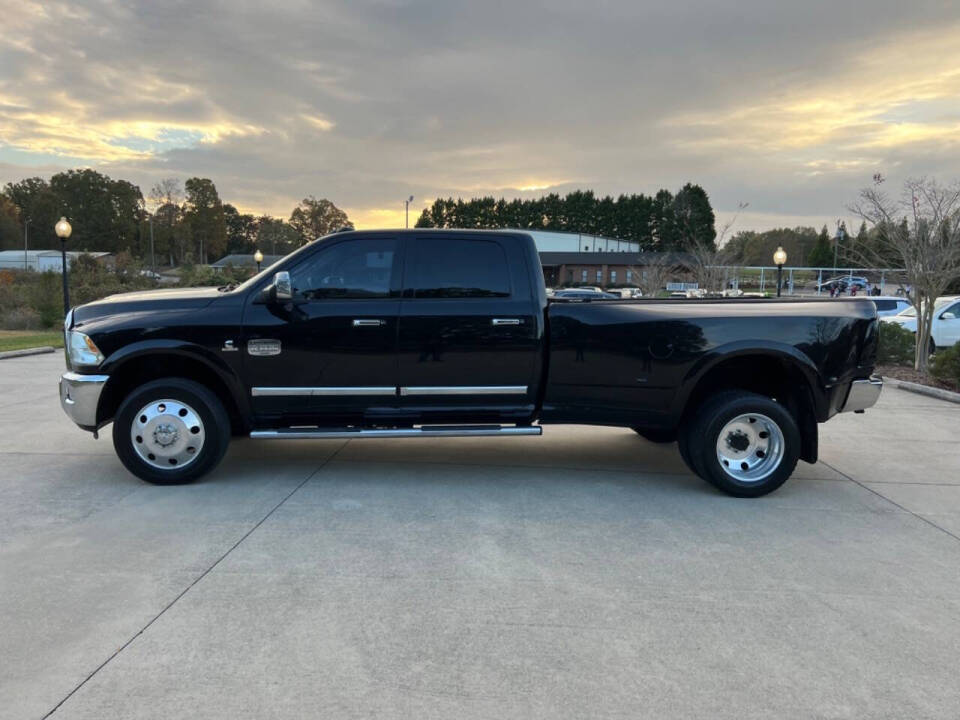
{"x": 79, "y": 397}
{"x": 863, "y": 394}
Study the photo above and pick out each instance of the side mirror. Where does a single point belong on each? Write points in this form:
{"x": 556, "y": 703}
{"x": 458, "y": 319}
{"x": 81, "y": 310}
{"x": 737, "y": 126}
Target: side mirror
{"x": 283, "y": 291}
{"x": 948, "y": 316}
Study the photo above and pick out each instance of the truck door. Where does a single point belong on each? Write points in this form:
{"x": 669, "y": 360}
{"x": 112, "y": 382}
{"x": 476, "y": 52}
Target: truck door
{"x": 330, "y": 353}
{"x": 470, "y": 331}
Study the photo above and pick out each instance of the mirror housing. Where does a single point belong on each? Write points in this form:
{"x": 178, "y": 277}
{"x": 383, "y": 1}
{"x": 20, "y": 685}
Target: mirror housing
{"x": 948, "y": 316}
{"x": 282, "y": 289}
{"x": 279, "y": 291}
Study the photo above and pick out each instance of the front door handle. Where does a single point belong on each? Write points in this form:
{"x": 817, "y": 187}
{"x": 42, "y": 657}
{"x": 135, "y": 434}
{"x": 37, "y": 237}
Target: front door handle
{"x": 505, "y": 321}
{"x": 363, "y": 322}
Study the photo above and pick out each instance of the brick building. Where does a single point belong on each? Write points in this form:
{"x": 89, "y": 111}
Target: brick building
{"x": 603, "y": 269}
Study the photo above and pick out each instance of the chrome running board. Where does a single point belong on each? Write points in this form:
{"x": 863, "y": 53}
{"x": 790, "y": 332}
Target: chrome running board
{"x": 314, "y": 433}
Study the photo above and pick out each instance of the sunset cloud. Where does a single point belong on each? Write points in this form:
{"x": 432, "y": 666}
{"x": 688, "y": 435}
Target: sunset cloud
{"x": 788, "y": 107}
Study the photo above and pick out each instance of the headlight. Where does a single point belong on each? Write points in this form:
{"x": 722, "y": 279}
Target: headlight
{"x": 82, "y": 349}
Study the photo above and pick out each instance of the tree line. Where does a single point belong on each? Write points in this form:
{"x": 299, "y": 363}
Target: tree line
{"x": 190, "y": 223}
{"x": 664, "y": 221}
{"x": 807, "y": 248}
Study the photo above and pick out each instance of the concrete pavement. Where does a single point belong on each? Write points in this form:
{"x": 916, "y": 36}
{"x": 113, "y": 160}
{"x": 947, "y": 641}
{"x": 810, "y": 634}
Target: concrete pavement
{"x": 584, "y": 573}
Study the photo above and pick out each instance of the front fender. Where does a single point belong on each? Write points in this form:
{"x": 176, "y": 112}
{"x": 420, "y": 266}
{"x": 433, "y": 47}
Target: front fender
{"x": 142, "y": 349}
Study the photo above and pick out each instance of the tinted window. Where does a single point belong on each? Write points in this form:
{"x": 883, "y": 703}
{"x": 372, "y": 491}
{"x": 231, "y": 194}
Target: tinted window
{"x": 885, "y": 304}
{"x": 458, "y": 268}
{"x": 353, "y": 269}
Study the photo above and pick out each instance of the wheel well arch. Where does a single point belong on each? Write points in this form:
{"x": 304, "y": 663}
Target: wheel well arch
{"x": 775, "y": 376}
{"x": 145, "y": 367}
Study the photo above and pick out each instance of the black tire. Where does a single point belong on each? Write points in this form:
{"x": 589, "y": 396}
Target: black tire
{"x": 214, "y": 423}
{"x": 656, "y": 435}
{"x": 684, "y": 435}
{"x": 715, "y": 414}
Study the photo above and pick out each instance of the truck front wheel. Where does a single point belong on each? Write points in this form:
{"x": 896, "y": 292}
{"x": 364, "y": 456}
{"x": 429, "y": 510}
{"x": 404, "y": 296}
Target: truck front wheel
{"x": 171, "y": 431}
{"x": 745, "y": 444}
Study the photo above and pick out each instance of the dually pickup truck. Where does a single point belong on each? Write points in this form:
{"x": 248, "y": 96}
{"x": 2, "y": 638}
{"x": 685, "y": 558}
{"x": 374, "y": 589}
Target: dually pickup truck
{"x": 444, "y": 333}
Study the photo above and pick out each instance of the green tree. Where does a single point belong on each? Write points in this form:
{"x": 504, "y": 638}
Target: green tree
{"x": 314, "y": 218}
{"x": 821, "y": 255}
{"x": 241, "y": 231}
{"x": 694, "y": 217}
{"x": 204, "y": 215}
{"x": 39, "y": 205}
{"x": 11, "y": 232}
{"x": 276, "y": 237}
{"x": 104, "y": 213}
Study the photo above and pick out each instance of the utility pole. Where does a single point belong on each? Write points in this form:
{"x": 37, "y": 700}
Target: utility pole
{"x": 836, "y": 246}
{"x": 26, "y": 225}
{"x": 153, "y": 260}
{"x": 407, "y": 211}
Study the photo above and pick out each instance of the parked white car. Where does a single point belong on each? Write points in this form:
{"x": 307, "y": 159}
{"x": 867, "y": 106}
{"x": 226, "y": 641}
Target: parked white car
{"x": 946, "y": 321}
{"x": 890, "y": 304}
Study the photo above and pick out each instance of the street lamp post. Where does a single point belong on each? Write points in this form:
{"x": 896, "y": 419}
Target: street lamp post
{"x": 780, "y": 259}
{"x": 63, "y": 230}
{"x": 407, "y": 211}
{"x": 258, "y": 258}
{"x": 836, "y": 246}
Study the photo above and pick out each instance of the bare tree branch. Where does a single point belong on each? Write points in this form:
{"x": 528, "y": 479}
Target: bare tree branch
{"x": 922, "y": 232}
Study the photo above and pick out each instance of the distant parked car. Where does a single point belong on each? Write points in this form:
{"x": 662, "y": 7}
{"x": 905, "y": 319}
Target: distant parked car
{"x": 150, "y": 274}
{"x": 843, "y": 283}
{"x": 890, "y": 305}
{"x": 585, "y": 294}
{"x": 945, "y": 330}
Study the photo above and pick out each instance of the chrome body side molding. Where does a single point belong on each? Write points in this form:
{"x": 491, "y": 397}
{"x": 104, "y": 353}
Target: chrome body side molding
{"x": 322, "y": 391}
{"x": 464, "y": 390}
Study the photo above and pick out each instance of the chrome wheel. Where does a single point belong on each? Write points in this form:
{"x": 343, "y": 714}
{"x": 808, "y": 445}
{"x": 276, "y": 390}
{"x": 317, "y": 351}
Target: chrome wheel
{"x": 167, "y": 434}
{"x": 750, "y": 447}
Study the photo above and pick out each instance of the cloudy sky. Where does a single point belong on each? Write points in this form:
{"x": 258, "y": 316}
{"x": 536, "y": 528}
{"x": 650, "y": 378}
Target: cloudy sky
{"x": 790, "y": 107}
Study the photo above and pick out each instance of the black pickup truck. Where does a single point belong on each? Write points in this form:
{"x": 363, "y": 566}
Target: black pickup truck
{"x": 442, "y": 333}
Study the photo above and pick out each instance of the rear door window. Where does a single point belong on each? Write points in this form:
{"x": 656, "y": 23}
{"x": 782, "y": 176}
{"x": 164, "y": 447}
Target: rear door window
{"x": 446, "y": 267}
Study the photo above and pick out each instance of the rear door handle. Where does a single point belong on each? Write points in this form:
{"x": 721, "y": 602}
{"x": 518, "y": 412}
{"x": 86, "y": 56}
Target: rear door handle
{"x": 505, "y": 321}
{"x": 363, "y": 322}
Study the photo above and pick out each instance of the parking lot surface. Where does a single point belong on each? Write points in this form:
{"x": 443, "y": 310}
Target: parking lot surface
{"x": 582, "y": 574}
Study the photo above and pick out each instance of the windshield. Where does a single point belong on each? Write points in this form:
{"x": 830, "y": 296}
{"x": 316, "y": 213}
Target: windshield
{"x": 912, "y": 311}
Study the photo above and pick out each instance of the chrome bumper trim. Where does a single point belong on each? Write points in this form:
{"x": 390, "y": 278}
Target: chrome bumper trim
{"x": 80, "y": 395}
{"x": 863, "y": 394}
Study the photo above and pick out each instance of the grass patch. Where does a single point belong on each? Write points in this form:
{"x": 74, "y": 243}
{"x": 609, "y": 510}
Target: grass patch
{"x": 22, "y": 339}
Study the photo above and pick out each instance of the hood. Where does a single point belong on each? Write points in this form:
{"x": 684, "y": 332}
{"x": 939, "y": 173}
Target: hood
{"x": 908, "y": 322}
{"x": 146, "y": 301}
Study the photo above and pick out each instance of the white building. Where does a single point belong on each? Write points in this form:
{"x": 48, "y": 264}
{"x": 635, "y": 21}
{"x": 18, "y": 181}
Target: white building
{"x": 549, "y": 241}
{"x": 41, "y": 260}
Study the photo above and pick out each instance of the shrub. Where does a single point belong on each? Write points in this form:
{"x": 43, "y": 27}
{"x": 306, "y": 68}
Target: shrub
{"x": 945, "y": 366}
{"x": 20, "y": 318}
{"x": 896, "y": 345}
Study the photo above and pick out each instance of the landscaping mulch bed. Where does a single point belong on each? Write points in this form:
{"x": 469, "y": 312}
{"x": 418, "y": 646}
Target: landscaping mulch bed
{"x": 911, "y": 375}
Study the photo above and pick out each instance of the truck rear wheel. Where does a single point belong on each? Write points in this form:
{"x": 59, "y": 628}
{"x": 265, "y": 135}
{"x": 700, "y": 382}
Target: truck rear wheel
{"x": 744, "y": 444}
{"x": 171, "y": 431}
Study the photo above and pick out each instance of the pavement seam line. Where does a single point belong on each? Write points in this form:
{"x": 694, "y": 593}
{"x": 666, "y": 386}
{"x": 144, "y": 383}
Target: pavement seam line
{"x": 196, "y": 580}
{"x": 925, "y": 519}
